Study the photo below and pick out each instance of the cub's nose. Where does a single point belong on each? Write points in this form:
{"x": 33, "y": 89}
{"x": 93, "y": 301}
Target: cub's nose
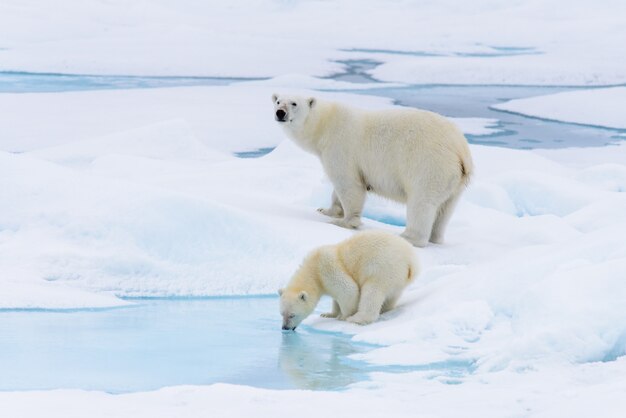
{"x": 286, "y": 328}
{"x": 280, "y": 115}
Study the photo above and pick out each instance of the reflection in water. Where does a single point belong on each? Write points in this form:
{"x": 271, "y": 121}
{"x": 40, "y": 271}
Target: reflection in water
{"x": 312, "y": 366}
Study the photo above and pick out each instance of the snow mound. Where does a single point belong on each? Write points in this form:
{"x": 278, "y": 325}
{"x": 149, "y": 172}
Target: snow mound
{"x": 170, "y": 140}
{"x": 119, "y": 237}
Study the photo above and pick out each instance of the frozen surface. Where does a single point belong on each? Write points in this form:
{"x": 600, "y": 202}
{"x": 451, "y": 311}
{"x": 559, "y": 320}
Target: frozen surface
{"x": 599, "y": 107}
{"x": 451, "y": 41}
{"x": 526, "y": 294}
{"x": 139, "y": 193}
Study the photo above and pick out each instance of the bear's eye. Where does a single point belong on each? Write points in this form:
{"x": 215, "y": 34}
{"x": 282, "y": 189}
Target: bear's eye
{"x": 278, "y": 102}
{"x": 292, "y": 316}
{"x": 294, "y": 104}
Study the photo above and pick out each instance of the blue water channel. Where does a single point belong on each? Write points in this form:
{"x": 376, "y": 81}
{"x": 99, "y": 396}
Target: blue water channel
{"x": 164, "y": 342}
{"x": 26, "y": 82}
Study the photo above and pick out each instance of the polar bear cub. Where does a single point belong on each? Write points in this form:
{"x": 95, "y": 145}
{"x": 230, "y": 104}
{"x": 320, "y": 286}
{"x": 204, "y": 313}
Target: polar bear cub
{"x": 365, "y": 275}
{"x": 408, "y": 155}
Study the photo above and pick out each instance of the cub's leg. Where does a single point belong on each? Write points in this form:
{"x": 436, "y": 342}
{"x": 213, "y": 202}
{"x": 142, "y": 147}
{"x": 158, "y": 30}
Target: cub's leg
{"x": 344, "y": 291}
{"x": 390, "y": 302}
{"x": 420, "y": 218}
{"x": 335, "y": 210}
{"x": 370, "y": 304}
{"x": 335, "y": 312}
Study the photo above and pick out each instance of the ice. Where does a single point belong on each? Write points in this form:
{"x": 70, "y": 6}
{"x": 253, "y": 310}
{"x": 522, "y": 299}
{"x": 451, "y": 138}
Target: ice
{"x": 528, "y": 282}
{"x": 417, "y": 42}
{"x": 603, "y": 107}
{"x": 106, "y": 194}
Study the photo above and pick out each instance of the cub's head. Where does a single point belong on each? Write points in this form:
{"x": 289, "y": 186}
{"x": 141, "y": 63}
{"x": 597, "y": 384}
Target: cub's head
{"x": 292, "y": 110}
{"x": 295, "y": 305}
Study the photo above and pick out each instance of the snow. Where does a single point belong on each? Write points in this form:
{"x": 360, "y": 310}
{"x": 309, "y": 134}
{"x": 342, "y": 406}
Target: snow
{"x": 529, "y": 281}
{"x": 108, "y": 194}
{"x": 595, "y": 389}
{"x": 453, "y": 42}
{"x": 605, "y": 107}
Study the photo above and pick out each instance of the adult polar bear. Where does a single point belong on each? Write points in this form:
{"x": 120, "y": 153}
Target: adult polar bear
{"x": 408, "y": 155}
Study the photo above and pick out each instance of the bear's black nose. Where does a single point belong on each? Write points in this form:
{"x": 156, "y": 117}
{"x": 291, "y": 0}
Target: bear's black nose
{"x": 286, "y": 328}
{"x": 280, "y": 115}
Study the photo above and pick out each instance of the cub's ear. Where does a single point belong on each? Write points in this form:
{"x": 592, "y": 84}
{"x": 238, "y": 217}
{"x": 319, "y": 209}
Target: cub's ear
{"x": 303, "y": 296}
{"x": 311, "y": 101}
{"x": 280, "y": 292}
{"x": 274, "y": 98}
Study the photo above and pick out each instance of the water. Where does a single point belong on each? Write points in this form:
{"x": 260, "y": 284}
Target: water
{"x": 25, "y": 82}
{"x": 489, "y": 52}
{"x": 164, "y": 342}
{"x": 256, "y": 153}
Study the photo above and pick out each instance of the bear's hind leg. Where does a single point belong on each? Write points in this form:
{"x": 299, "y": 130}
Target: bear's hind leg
{"x": 443, "y": 216}
{"x": 419, "y": 221}
{"x": 370, "y": 304}
{"x": 335, "y": 210}
{"x": 335, "y": 312}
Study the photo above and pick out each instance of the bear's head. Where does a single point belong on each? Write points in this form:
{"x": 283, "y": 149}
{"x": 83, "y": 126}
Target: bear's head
{"x": 295, "y": 305}
{"x": 292, "y": 110}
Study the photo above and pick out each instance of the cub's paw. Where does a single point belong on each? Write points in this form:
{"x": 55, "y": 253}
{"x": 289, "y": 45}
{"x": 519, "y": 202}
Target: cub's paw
{"x": 329, "y": 315}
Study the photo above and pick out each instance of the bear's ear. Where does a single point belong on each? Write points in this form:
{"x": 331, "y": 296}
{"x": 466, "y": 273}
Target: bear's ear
{"x": 274, "y": 98}
{"x": 303, "y": 296}
{"x": 280, "y": 292}
{"x": 311, "y": 101}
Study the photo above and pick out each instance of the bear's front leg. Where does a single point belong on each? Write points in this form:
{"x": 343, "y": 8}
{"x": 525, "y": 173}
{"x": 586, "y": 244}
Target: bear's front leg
{"x": 335, "y": 210}
{"x": 335, "y": 312}
{"x": 352, "y": 198}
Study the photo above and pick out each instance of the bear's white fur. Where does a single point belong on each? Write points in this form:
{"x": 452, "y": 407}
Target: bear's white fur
{"x": 408, "y": 155}
{"x": 365, "y": 275}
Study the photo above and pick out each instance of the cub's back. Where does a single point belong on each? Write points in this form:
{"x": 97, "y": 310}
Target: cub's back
{"x": 377, "y": 254}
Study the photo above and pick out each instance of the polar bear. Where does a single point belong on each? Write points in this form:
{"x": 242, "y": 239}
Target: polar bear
{"x": 408, "y": 155}
{"x": 364, "y": 275}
